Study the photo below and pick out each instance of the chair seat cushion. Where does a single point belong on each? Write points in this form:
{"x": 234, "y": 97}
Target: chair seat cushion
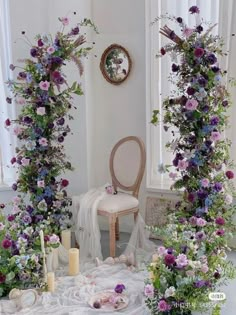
{"x": 119, "y": 202}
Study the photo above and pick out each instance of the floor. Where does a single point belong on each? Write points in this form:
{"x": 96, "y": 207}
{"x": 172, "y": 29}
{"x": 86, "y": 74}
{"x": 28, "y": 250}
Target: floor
{"x": 229, "y": 308}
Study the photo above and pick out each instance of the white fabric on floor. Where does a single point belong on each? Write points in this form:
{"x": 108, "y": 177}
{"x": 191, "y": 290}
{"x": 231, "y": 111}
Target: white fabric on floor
{"x": 88, "y": 234}
{"x": 73, "y": 293}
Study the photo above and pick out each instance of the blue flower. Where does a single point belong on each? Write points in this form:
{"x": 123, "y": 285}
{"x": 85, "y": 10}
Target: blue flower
{"x": 208, "y": 202}
{"x": 48, "y": 192}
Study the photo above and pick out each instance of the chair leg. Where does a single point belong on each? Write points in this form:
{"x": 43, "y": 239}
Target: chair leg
{"x": 117, "y": 229}
{"x": 112, "y": 229}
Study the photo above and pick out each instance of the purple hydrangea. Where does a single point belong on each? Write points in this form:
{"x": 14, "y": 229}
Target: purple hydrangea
{"x": 194, "y": 9}
{"x": 214, "y": 120}
{"x": 218, "y": 186}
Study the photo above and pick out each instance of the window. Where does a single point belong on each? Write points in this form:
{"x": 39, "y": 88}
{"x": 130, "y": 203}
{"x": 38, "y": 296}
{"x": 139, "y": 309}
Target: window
{"x": 7, "y": 141}
{"x": 157, "y": 72}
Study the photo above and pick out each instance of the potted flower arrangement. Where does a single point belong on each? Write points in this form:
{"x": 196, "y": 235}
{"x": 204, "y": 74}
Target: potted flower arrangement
{"x": 192, "y": 262}
{"x": 44, "y": 95}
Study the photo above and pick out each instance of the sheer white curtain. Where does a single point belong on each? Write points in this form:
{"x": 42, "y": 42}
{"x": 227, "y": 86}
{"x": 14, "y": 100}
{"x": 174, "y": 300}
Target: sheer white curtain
{"x": 158, "y": 69}
{"x": 7, "y": 141}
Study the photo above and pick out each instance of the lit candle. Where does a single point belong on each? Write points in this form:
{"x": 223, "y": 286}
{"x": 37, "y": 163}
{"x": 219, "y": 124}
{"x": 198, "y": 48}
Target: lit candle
{"x": 51, "y": 281}
{"x": 44, "y": 253}
{"x": 73, "y": 261}
{"x": 66, "y": 238}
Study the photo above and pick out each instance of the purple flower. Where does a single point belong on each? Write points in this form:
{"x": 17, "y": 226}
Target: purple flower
{"x": 169, "y": 259}
{"x": 200, "y": 283}
{"x": 220, "y": 221}
{"x": 194, "y": 9}
{"x": 22, "y": 75}
{"x": 27, "y": 219}
{"x": 149, "y": 290}
{"x": 175, "y": 68}
{"x": 2, "y": 278}
{"x": 119, "y": 288}
{"x": 218, "y": 186}
{"x": 27, "y": 120}
{"x": 60, "y": 139}
{"x": 6, "y": 243}
{"x": 225, "y": 103}
{"x": 163, "y": 306}
{"x": 193, "y": 221}
{"x": 14, "y": 186}
{"x": 181, "y": 261}
{"x": 12, "y": 67}
{"x": 214, "y": 120}
{"x": 34, "y": 52}
{"x": 11, "y": 218}
{"x": 220, "y": 232}
{"x": 199, "y": 29}
{"x": 202, "y": 81}
{"x": 191, "y": 197}
{"x": 40, "y": 43}
{"x": 200, "y": 235}
{"x": 8, "y": 100}
{"x": 61, "y": 121}
{"x": 56, "y": 60}
{"x": 215, "y": 69}
{"x": 75, "y": 31}
{"x": 179, "y": 19}
{"x": 163, "y": 52}
{"x": 190, "y": 90}
{"x": 172, "y": 35}
{"x": 202, "y": 194}
{"x": 199, "y": 52}
{"x": 229, "y": 174}
{"x": 211, "y": 58}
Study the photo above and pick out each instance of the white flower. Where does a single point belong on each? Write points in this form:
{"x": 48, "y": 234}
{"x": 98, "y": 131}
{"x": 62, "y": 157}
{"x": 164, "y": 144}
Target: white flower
{"x": 1, "y": 226}
{"x": 170, "y": 292}
{"x": 30, "y": 145}
{"x": 228, "y": 199}
{"x": 42, "y": 205}
{"x": 54, "y": 239}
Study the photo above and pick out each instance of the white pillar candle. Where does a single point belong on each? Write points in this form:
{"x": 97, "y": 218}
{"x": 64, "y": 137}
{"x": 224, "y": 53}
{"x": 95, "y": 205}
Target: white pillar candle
{"x": 66, "y": 238}
{"x": 55, "y": 258}
{"x": 51, "y": 281}
{"x": 73, "y": 261}
{"x": 44, "y": 253}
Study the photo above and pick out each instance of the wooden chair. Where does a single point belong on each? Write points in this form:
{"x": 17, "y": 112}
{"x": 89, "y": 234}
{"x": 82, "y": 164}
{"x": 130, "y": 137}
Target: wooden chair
{"x": 122, "y": 203}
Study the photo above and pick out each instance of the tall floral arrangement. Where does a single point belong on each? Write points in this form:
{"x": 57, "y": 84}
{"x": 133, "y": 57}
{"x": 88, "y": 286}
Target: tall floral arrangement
{"x": 45, "y": 100}
{"x": 192, "y": 262}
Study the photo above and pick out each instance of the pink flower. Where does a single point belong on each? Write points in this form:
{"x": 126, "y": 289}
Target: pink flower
{"x": 220, "y": 221}
{"x": 191, "y": 104}
{"x": 205, "y": 182}
{"x": 17, "y": 130}
{"x": 20, "y": 101}
{"x": 163, "y": 306}
{"x": 15, "y": 209}
{"x": 161, "y": 250}
{"x": 173, "y": 175}
{"x": 187, "y": 32}
{"x": 181, "y": 260}
{"x": 40, "y": 183}
{"x": 204, "y": 268}
{"x": 220, "y": 232}
{"x": 190, "y": 273}
{"x": 43, "y": 142}
{"x": 1, "y": 226}
{"x": 64, "y": 20}
{"x": 215, "y": 136}
{"x": 25, "y": 162}
{"x": 149, "y": 290}
{"x": 182, "y": 165}
{"x": 193, "y": 220}
{"x": 201, "y": 222}
{"x": 199, "y": 52}
{"x": 54, "y": 239}
{"x": 44, "y": 85}
{"x": 64, "y": 182}
{"x": 16, "y": 199}
{"x": 41, "y": 111}
{"x": 50, "y": 50}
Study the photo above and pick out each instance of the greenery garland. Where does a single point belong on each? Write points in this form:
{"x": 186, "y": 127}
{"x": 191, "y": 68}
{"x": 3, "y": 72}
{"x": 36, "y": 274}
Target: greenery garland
{"x": 42, "y": 92}
{"x": 192, "y": 263}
